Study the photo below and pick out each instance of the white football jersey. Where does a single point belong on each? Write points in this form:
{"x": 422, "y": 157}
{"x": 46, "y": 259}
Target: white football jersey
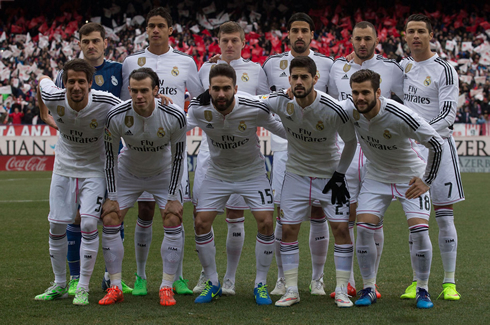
{"x": 276, "y": 68}
{"x": 176, "y": 70}
{"x": 233, "y": 142}
{"x": 250, "y": 78}
{"x": 79, "y": 151}
{"x": 147, "y": 140}
{"x": 311, "y": 132}
{"x": 386, "y": 141}
{"x": 431, "y": 89}
{"x": 390, "y": 71}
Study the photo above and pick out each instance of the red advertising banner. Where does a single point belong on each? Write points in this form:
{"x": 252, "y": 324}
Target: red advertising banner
{"x": 26, "y": 163}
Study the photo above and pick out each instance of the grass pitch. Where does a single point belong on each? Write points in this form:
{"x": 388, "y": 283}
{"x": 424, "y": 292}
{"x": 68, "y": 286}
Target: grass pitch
{"x": 25, "y": 270}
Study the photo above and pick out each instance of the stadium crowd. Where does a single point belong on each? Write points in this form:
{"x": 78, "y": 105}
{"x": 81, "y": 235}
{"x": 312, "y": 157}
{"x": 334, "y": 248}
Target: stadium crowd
{"x": 34, "y": 43}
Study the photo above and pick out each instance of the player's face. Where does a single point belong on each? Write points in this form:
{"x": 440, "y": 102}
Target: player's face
{"x": 302, "y": 82}
{"x": 231, "y": 46}
{"x": 364, "y": 96}
{"x": 158, "y": 30}
{"x": 417, "y": 36}
{"x": 364, "y": 41}
{"x": 77, "y": 85}
{"x": 300, "y": 36}
{"x": 93, "y": 46}
{"x": 222, "y": 92}
{"x": 142, "y": 94}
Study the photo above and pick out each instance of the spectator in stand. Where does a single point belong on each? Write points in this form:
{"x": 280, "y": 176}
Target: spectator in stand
{"x": 16, "y": 116}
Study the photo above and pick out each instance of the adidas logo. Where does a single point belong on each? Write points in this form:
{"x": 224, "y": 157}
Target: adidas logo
{"x": 345, "y": 76}
{"x": 60, "y": 120}
{"x": 405, "y": 76}
{"x": 128, "y": 132}
{"x": 209, "y": 126}
{"x": 283, "y": 74}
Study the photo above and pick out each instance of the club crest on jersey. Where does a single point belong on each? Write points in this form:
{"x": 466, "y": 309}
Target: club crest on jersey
{"x": 290, "y": 108}
{"x": 283, "y": 64}
{"x": 141, "y": 61}
{"x": 356, "y": 115}
{"x": 175, "y": 71}
{"x": 281, "y": 213}
{"x": 380, "y": 80}
{"x": 129, "y": 121}
{"x": 160, "y": 133}
{"x": 408, "y": 67}
{"x": 114, "y": 81}
{"x": 320, "y": 126}
{"x": 387, "y": 135}
{"x": 94, "y": 124}
{"x": 60, "y": 110}
{"x": 427, "y": 81}
{"x": 242, "y": 126}
{"x": 208, "y": 115}
{"x": 99, "y": 80}
{"x": 213, "y": 66}
{"x": 245, "y": 77}
{"x": 346, "y": 67}
{"x": 318, "y": 74}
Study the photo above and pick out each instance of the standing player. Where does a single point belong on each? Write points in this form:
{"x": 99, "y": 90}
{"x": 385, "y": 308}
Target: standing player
{"x": 311, "y": 121}
{"x": 146, "y": 164}
{"x": 252, "y": 80}
{"x": 107, "y": 77}
{"x": 364, "y": 40}
{"x": 431, "y": 90}
{"x": 176, "y": 71}
{"x": 385, "y": 130}
{"x": 78, "y": 179}
{"x": 236, "y": 167}
{"x": 300, "y": 33}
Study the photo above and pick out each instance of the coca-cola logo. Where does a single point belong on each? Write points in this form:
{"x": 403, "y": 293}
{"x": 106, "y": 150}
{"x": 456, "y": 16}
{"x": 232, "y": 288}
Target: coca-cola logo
{"x": 26, "y": 164}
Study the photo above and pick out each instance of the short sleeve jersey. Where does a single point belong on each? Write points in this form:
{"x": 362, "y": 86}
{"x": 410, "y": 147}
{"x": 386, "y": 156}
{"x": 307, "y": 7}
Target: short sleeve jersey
{"x": 390, "y": 71}
{"x": 153, "y": 144}
{"x": 386, "y": 140}
{"x": 311, "y": 132}
{"x": 276, "y": 68}
{"x": 431, "y": 89}
{"x": 176, "y": 70}
{"x": 79, "y": 151}
{"x": 107, "y": 77}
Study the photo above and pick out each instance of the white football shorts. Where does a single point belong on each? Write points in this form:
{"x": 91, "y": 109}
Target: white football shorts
{"x": 66, "y": 194}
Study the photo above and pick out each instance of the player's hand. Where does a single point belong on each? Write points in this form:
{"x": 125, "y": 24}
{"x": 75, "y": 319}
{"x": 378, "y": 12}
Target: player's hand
{"x": 110, "y": 206}
{"x": 215, "y": 58}
{"x": 204, "y": 98}
{"x": 340, "y": 194}
{"x": 165, "y": 100}
{"x": 350, "y": 56}
{"x": 289, "y": 92}
{"x": 417, "y": 188}
{"x": 174, "y": 207}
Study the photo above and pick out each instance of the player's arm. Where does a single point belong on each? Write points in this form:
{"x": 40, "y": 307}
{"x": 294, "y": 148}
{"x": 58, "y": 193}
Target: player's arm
{"x": 193, "y": 83}
{"x": 191, "y": 118}
{"x": 126, "y": 70}
{"x": 448, "y": 100}
{"x": 397, "y": 84}
{"x": 332, "y": 86}
{"x": 178, "y": 147}
{"x": 43, "y": 89}
{"x": 269, "y": 122}
{"x": 263, "y": 85}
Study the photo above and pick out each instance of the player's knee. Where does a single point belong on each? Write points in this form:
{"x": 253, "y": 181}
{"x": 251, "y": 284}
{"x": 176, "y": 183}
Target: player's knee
{"x": 111, "y": 219}
{"x": 201, "y": 226}
{"x": 88, "y": 224}
{"x": 171, "y": 220}
{"x": 146, "y": 210}
{"x": 57, "y": 229}
{"x": 78, "y": 219}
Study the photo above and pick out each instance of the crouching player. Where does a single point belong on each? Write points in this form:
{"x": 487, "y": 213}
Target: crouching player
{"x": 152, "y": 161}
{"x": 385, "y": 130}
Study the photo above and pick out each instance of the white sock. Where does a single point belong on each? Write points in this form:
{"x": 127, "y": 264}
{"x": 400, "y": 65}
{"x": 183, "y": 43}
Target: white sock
{"x": 366, "y": 253}
{"x": 379, "y": 240}
{"x": 318, "y": 240}
{"x": 88, "y": 250}
{"x": 352, "y": 281}
{"x": 206, "y": 251}
{"x": 421, "y": 254}
{"x": 171, "y": 251}
{"x": 278, "y": 236}
{"x": 290, "y": 263}
{"x": 113, "y": 250}
{"x": 264, "y": 252}
{"x": 58, "y": 248}
{"x": 142, "y": 242}
{"x": 179, "y": 273}
{"x": 234, "y": 245}
{"x": 448, "y": 242}
{"x": 343, "y": 254}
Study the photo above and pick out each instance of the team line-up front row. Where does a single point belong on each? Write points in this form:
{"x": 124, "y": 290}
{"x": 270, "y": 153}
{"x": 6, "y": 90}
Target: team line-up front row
{"x": 403, "y": 151}
{"x": 155, "y": 136}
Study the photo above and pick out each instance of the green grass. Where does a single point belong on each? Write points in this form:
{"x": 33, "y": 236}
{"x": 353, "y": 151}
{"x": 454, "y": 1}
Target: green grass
{"x": 25, "y": 270}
